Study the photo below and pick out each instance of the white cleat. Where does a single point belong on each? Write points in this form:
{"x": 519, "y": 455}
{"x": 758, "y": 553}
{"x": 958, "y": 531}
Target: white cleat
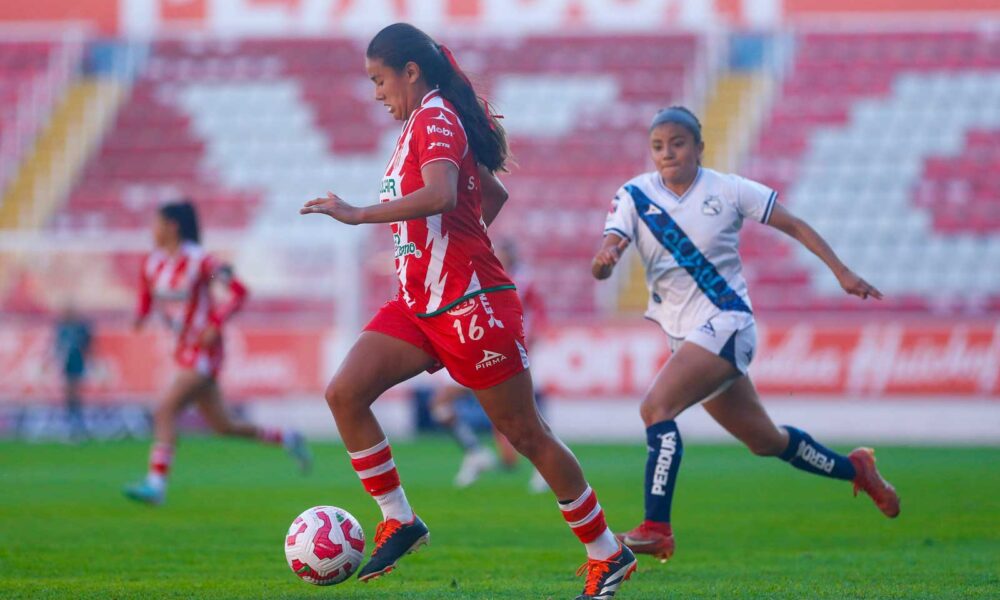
{"x": 475, "y": 464}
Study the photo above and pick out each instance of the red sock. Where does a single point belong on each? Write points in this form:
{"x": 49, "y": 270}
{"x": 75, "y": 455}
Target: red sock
{"x": 585, "y": 516}
{"x": 160, "y": 457}
{"x": 270, "y": 435}
{"x": 376, "y": 469}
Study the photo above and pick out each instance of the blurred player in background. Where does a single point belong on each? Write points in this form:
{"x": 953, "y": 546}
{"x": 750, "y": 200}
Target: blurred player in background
{"x": 477, "y": 458}
{"x": 72, "y": 348}
{"x": 456, "y": 306}
{"x": 177, "y": 279}
{"x": 685, "y": 220}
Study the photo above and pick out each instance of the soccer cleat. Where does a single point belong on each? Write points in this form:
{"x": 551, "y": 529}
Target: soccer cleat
{"x": 475, "y": 463}
{"x": 143, "y": 492}
{"x": 650, "y": 538}
{"x": 868, "y": 479}
{"x": 295, "y": 444}
{"x": 393, "y": 541}
{"x": 605, "y": 576}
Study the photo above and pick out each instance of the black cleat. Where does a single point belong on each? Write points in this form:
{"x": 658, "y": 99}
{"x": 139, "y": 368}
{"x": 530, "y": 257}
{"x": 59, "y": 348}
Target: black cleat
{"x": 393, "y": 541}
{"x": 604, "y": 576}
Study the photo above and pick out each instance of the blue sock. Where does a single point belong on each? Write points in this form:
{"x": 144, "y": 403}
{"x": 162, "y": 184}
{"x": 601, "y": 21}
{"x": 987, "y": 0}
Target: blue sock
{"x": 805, "y": 453}
{"x": 665, "y": 449}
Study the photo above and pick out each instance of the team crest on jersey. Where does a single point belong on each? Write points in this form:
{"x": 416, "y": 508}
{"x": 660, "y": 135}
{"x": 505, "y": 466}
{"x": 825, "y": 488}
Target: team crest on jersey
{"x": 464, "y": 308}
{"x": 441, "y": 117}
{"x": 712, "y": 206}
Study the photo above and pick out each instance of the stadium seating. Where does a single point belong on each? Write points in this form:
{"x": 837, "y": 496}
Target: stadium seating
{"x": 887, "y": 143}
{"x": 251, "y": 129}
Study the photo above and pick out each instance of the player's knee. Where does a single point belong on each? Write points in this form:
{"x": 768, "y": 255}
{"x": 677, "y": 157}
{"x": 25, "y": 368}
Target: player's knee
{"x": 340, "y": 396}
{"x": 655, "y": 410}
{"x": 526, "y": 438}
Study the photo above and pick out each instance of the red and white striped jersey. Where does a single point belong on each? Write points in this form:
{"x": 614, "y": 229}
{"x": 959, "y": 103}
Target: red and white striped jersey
{"x": 443, "y": 259}
{"x": 179, "y": 285}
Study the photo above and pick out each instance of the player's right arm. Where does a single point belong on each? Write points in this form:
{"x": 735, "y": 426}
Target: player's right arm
{"x": 608, "y": 256}
{"x": 494, "y": 194}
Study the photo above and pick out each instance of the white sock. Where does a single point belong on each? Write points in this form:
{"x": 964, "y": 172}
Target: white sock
{"x": 604, "y": 547}
{"x": 156, "y": 481}
{"x": 395, "y": 506}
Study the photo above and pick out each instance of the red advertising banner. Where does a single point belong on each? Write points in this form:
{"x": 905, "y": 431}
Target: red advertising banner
{"x": 877, "y": 359}
{"x": 132, "y": 367}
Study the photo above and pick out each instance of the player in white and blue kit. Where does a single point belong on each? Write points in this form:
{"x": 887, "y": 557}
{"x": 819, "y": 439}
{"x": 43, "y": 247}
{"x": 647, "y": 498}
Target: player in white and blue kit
{"x": 684, "y": 221}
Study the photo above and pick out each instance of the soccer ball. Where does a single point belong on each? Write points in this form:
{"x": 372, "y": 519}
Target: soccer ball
{"x": 324, "y": 545}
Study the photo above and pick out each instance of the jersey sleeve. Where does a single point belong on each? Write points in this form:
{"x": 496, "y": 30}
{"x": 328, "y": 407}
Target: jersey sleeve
{"x": 754, "y": 200}
{"x": 216, "y": 271}
{"x": 144, "y": 301}
{"x": 438, "y": 135}
{"x": 621, "y": 217}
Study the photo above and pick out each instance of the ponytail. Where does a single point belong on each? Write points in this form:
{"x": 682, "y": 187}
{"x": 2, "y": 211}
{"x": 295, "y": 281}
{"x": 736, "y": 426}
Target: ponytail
{"x": 401, "y": 43}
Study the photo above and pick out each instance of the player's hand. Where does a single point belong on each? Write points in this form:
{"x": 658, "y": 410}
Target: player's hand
{"x": 856, "y": 286}
{"x": 335, "y": 207}
{"x": 209, "y": 337}
{"x": 607, "y": 258}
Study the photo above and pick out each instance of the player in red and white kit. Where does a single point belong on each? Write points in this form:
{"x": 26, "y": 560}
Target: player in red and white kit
{"x": 177, "y": 279}
{"x": 456, "y": 307}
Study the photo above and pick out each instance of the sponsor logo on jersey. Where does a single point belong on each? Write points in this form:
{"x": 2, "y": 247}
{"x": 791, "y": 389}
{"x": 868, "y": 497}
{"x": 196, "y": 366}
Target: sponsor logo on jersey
{"x": 464, "y": 308}
{"x": 614, "y": 205}
{"x": 653, "y": 210}
{"x": 708, "y": 328}
{"x": 441, "y": 117}
{"x": 490, "y": 359}
{"x": 440, "y": 130}
{"x": 661, "y": 475}
{"x": 434, "y": 145}
{"x": 712, "y": 206}
{"x": 815, "y": 458}
{"x": 404, "y": 249}
{"x": 389, "y": 186}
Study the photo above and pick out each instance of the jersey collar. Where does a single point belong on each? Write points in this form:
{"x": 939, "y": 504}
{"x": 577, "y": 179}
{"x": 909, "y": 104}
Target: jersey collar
{"x": 430, "y": 96}
{"x": 679, "y": 199}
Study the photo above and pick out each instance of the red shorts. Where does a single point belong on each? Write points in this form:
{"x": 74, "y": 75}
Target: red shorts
{"x": 204, "y": 361}
{"x": 480, "y": 341}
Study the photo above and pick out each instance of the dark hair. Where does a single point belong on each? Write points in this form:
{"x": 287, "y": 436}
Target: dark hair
{"x": 401, "y": 43}
{"x": 680, "y": 115}
{"x": 184, "y": 214}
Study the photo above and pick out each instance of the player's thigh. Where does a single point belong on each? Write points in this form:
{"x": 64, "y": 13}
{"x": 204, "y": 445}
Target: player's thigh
{"x": 209, "y": 403}
{"x": 691, "y": 375}
{"x": 739, "y": 411}
{"x": 374, "y": 364}
{"x": 185, "y": 388}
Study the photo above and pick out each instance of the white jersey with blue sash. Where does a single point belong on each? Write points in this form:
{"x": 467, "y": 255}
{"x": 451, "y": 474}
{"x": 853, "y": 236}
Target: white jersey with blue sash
{"x": 689, "y": 244}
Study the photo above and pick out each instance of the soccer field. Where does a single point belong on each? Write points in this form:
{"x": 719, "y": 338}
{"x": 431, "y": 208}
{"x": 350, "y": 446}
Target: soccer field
{"x": 747, "y": 527}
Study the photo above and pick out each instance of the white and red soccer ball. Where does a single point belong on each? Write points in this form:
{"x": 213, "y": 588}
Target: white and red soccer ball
{"x": 325, "y": 545}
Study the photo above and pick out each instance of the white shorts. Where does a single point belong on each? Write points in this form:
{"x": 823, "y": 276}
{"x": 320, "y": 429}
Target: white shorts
{"x": 730, "y": 334}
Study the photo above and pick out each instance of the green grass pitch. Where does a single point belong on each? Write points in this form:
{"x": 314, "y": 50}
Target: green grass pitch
{"x": 747, "y": 527}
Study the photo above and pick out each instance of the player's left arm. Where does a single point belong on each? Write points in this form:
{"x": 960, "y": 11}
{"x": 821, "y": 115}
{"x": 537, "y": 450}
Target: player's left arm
{"x": 494, "y": 194}
{"x": 439, "y": 195}
{"x": 783, "y": 220}
{"x": 222, "y": 273}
